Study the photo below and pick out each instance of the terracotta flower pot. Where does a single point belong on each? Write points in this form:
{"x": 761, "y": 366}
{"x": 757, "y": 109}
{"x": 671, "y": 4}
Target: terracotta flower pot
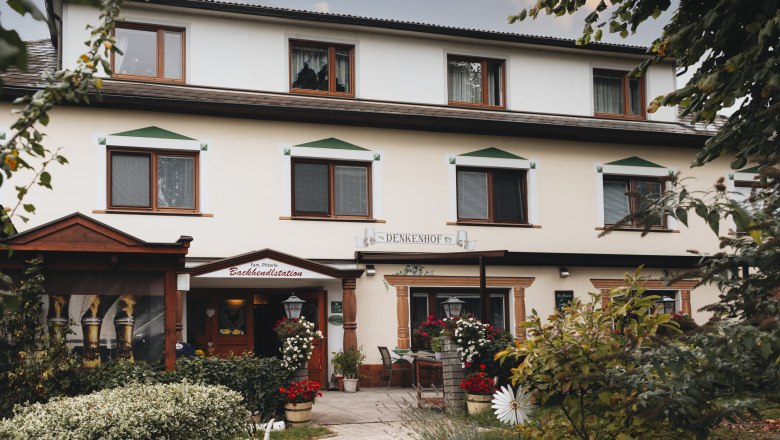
{"x": 476, "y": 403}
{"x": 298, "y": 414}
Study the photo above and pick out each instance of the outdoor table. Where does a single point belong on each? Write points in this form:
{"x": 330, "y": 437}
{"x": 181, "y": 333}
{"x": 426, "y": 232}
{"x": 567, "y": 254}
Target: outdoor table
{"x": 426, "y": 361}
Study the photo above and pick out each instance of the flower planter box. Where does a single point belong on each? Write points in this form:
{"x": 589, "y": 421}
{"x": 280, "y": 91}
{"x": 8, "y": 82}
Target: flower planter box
{"x": 298, "y": 414}
{"x": 476, "y": 403}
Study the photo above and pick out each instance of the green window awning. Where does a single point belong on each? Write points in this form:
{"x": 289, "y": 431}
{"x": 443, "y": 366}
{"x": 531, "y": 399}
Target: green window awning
{"x": 493, "y": 153}
{"x": 153, "y": 132}
{"x": 635, "y": 161}
{"x": 332, "y": 143}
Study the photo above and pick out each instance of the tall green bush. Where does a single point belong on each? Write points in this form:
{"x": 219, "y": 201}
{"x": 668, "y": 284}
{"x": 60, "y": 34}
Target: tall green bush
{"x": 162, "y": 411}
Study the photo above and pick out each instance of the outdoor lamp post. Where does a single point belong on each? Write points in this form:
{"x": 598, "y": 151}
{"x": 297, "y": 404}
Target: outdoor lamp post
{"x": 668, "y": 304}
{"x": 293, "y": 306}
{"x": 453, "y": 306}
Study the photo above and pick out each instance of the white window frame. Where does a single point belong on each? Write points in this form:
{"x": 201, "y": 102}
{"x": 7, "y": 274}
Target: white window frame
{"x": 731, "y": 180}
{"x": 103, "y": 142}
{"x": 374, "y": 158}
{"x": 531, "y": 167}
{"x": 625, "y": 170}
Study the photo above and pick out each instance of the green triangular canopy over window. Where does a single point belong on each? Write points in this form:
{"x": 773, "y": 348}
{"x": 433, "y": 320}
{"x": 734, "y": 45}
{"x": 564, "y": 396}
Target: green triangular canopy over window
{"x": 493, "y": 153}
{"x": 751, "y": 170}
{"x": 634, "y": 161}
{"x": 154, "y": 132}
{"x": 333, "y": 143}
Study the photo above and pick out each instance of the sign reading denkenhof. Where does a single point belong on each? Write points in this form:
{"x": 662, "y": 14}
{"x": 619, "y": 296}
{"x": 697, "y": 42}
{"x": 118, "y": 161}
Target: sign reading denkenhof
{"x": 265, "y": 268}
{"x": 415, "y": 238}
{"x": 372, "y": 237}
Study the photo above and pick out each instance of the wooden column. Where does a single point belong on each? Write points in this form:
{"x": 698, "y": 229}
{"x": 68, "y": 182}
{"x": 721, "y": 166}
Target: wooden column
{"x": 350, "y": 313}
{"x": 604, "y": 297}
{"x": 170, "y": 320}
{"x": 519, "y": 293}
{"x": 685, "y": 298}
{"x": 180, "y": 298}
{"x": 402, "y": 311}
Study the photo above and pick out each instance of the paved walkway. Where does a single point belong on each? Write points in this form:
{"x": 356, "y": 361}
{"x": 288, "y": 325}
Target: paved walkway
{"x": 371, "y": 413}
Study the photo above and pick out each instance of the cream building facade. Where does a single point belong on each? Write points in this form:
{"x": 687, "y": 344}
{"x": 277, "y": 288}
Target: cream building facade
{"x": 376, "y": 190}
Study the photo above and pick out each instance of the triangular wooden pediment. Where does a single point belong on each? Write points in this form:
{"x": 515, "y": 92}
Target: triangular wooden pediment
{"x": 80, "y": 233}
{"x": 268, "y": 263}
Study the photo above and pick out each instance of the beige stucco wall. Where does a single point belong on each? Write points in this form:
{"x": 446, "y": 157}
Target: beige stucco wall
{"x": 244, "y": 186}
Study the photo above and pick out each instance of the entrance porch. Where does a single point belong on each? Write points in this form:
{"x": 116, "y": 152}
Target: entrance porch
{"x": 233, "y": 305}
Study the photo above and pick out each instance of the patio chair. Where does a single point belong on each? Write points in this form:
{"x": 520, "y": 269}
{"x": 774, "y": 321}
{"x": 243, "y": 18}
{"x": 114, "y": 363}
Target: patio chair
{"x": 387, "y": 366}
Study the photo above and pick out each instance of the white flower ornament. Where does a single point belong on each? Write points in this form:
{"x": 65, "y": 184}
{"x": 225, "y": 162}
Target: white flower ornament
{"x": 512, "y": 409}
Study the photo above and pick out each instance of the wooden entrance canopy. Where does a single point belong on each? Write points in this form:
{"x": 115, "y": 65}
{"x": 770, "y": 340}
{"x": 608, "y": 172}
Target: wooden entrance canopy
{"x": 251, "y": 264}
{"x": 77, "y": 243}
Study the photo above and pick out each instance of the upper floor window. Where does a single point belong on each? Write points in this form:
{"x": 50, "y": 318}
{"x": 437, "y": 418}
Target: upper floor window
{"x": 628, "y": 195}
{"x": 147, "y": 180}
{"x": 326, "y": 188}
{"x": 149, "y": 53}
{"x": 321, "y": 68}
{"x": 475, "y": 81}
{"x": 491, "y": 195}
{"x": 616, "y": 94}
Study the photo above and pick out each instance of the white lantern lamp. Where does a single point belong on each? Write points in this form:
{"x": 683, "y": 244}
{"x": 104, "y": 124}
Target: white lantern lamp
{"x": 453, "y": 306}
{"x": 293, "y": 306}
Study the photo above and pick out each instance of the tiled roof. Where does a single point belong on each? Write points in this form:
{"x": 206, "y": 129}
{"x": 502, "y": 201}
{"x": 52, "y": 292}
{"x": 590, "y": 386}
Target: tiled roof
{"x": 384, "y": 23}
{"x": 283, "y": 106}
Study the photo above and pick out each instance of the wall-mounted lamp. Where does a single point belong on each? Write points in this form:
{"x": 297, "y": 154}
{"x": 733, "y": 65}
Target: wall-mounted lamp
{"x": 370, "y": 270}
{"x": 564, "y": 272}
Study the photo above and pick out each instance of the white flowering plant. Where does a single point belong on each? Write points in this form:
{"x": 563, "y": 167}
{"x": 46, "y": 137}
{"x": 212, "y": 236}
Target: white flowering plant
{"x": 477, "y": 343}
{"x": 162, "y": 411}
{"x": 297, "y": 337}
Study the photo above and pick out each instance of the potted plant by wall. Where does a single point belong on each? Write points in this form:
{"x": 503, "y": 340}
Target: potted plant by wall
{"x": 299, "y": 398}
{"x": 297, "y": 337}
{"x": 479, "y": 391}
{"x": 349, "y": 361}
{"x": 436, "y": 343}
{"x": 338, "y": 376}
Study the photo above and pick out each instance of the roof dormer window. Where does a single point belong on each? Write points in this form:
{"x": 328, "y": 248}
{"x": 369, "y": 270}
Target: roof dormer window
{"x": 149, "y": 53}
{"x": 323, "y": 69}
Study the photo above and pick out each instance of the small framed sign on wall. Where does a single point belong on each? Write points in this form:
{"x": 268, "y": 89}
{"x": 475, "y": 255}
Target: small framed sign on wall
{"x": 335, "y": 307}
{"x": 563, "y": 298}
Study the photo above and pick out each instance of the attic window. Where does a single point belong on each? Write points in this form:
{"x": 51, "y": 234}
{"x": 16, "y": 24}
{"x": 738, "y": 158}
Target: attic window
{"x": 324, "y": 69}
{"x": 149, "y": 52}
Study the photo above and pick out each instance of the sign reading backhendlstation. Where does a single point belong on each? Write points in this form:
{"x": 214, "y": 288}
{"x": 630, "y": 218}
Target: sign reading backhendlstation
{"x": 265, "y": 268}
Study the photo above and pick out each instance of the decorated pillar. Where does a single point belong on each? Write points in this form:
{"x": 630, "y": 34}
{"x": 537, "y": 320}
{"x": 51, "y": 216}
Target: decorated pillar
{"x": 685, "y": 296}
{"x": 180, "y": 314}
{"x": 604, "y": 297}
{"x": 350, "y": 313}
{"x": 402, "y": 310}
{"x": 169, "y": 352}
{"x": 519, "y": 294}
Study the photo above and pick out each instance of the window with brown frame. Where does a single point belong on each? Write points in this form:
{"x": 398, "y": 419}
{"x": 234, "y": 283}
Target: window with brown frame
{"x": 149, "y": 180}
{"x": 491, "y": 195}
{"x": 627, "y": 195}
{"x": 618, "y": 95}
{"x": 149, "y": 53}
{"x": 475, "y": 82}
{"x": 427, "y": 301}
{"x": 324, "y": 69}
{"x": 331, "y": 189}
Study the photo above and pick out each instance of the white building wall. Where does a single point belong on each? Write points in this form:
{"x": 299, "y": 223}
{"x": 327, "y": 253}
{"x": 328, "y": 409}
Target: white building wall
{"x": 252, "y": 53}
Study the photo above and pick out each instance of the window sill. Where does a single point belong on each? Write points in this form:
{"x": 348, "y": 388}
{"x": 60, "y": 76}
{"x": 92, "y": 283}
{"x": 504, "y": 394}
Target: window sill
{"x": 620, "y": 116}
{"x": 673, "y": 231}
{"x": 475, "y": 105}
{"x": 334, "y": 219}
{"x": 505, "y": 225}
{"x": 151, "y": 79}
{"x": 321, "y": 93}
{"x": 120, "y": 211}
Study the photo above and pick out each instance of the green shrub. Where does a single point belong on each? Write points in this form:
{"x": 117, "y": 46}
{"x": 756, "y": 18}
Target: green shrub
{"x": 115, "y": 374}
{"x": 163, "y": 411}
{"x": 349, "y": 362}
{"x": 257, "y": 379}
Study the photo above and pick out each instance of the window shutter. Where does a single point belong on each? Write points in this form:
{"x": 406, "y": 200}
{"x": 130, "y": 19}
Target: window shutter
{"x": 615, "y": 201}
{"x": 311, "y": 188}
{"x": 176, "y": 182}
{"x": 472, "y": 195}
{"x": 351, "y": 190}
{"x": 130, "y": 180}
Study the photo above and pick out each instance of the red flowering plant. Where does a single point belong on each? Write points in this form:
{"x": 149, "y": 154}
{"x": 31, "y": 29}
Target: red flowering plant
{"x": 478, "y": 383}
{"x": 301, "y": 392}
{"x": 430, "y": 328}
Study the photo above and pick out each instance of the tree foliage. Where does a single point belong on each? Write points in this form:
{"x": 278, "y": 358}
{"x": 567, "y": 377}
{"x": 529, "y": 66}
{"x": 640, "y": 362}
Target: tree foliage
{"x": 606, "y": 373}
